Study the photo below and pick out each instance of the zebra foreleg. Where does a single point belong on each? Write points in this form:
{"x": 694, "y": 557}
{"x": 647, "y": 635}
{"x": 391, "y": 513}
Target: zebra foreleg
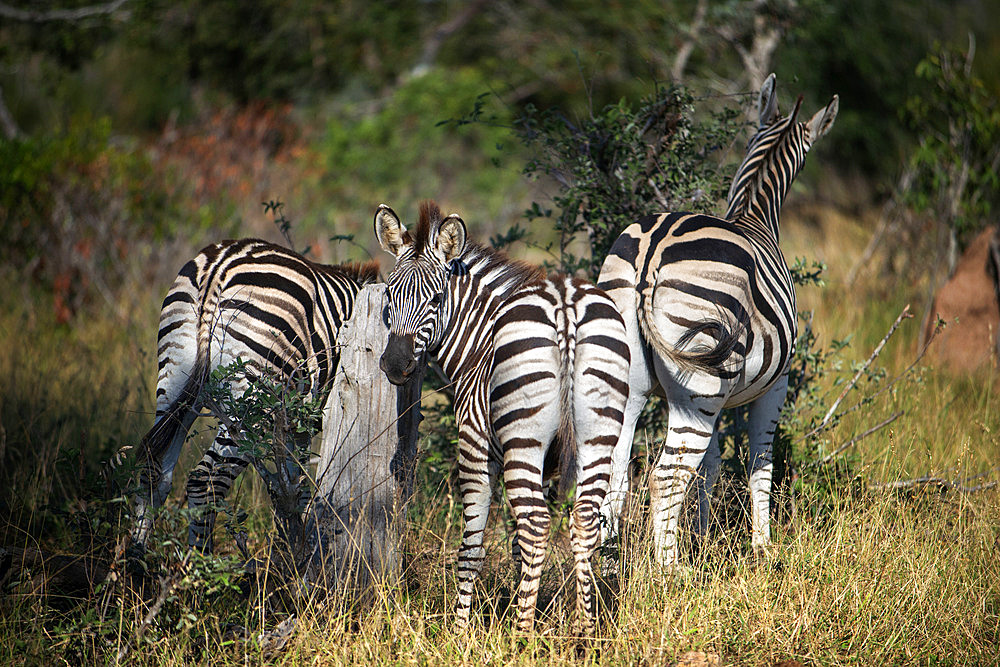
{"x": 764, "y": 413}
{"x": 475, "y": 482}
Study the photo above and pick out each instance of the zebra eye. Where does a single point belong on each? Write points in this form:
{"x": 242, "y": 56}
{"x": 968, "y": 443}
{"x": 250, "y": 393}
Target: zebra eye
{"x": 435, "y": 300}
{"x": 385, "y": 314}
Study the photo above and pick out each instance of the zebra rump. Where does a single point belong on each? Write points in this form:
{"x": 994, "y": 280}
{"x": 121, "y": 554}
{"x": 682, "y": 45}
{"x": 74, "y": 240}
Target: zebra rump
{"x": 244, "y": 300}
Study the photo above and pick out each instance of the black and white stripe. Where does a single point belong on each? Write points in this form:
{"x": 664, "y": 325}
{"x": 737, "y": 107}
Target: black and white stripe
{"x": 245, "y": 299}
{"x": 535, "y": 361}
{"x": 709, "y": 305}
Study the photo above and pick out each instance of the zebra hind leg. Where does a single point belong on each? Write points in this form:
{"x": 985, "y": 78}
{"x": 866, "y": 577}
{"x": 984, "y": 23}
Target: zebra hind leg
{"x": 687, "y": 440}
{"x": 707, "y": 477}
{"x": 156, "y": 477}
{"x": 524, "y": 489}
{"x": 585, "y": 535}
{"x": 209, "y": 485}
{"x": 764, "y": 413}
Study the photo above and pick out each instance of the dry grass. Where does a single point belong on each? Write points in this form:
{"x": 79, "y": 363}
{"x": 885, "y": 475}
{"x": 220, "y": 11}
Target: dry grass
{"x": 857, "y": 575}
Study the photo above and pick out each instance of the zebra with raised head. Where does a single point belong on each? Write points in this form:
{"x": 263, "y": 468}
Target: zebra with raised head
{"x": 709, "y": 308}
{"x": 249, "y": 300}
{"x": 538, "y": 366}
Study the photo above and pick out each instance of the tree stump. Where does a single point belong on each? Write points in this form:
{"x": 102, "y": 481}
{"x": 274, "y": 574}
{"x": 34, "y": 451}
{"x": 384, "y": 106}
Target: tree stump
{"x": 367, "y": 456}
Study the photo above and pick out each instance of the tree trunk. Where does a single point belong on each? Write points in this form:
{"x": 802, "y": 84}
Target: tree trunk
{"x": 365, "y": 473}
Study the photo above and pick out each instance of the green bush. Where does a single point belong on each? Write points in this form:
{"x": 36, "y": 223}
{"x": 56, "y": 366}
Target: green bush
{"x": 396, "y": 149}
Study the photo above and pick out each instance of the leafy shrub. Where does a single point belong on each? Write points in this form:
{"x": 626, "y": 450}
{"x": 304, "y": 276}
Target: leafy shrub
{"x": 73, "y": 206}
{"x": 396, "y": 149}
{"x": 622, "y": 163}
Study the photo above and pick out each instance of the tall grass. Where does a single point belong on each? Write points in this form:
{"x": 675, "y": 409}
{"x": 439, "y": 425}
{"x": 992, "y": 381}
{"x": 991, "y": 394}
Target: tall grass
{"x": 858, "y": 574}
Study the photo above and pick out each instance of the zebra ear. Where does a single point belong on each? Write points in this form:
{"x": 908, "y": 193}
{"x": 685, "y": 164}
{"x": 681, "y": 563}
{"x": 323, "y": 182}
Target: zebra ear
{"x": 450, "y": 241}
{"x": 822, "y": 121}
{"x": 767, "y": 103}
{"x": 389, "y": 231}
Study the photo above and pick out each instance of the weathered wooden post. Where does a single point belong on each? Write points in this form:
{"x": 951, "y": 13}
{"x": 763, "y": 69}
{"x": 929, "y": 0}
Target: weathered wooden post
{"x": 365, "y": 472}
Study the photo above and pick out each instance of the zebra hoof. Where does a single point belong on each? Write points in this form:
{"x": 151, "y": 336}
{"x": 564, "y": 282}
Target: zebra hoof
{"x": 765, "y": 558}
{"x": 135, "y": 560}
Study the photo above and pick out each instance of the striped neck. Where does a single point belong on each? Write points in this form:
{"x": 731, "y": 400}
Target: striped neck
{"x": 482, "y": 280}
{"x": 774, "y": 157}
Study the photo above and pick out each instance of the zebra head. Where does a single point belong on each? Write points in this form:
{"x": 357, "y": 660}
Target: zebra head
{"x": 775, "y": 154}
{"x": 418, "y": 307}
{"x": 787, "y": 132}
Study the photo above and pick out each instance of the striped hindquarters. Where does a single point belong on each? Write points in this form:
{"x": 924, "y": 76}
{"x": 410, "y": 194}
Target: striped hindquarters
{"x": 255, "y": 301}
{"x": 707, "y": 289}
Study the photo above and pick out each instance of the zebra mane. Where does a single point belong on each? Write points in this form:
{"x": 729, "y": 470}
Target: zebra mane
{"x": 489, "y": 263}
{"x": 430, "y": 215}
{"x": 762, "y": 150}
{"x": 496, "y": 268}
{"x": 362, "y": 272}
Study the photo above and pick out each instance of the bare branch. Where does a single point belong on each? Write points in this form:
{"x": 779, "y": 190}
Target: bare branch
{"x": 6, "y": 11}
{"x": 437, "y": 38}
{"x": 691, "y": 38}
{"x": 857, "y": 376}
{"x": 10, "y": 128}
{"x": 167, "y": 586}
{"x": 859, "y": 437}
{"x": 941, "y": 483}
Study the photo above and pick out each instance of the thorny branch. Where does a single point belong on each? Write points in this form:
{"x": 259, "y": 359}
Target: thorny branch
{"x": 828, "y": 421}
{"x": 17, "y": 14}
{"x": 167, "y": 586}
{"x": 860, "y": 436}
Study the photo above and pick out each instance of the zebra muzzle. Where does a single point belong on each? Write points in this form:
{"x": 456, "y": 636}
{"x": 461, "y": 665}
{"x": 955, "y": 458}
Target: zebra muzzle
{"x": 398, "y": 361}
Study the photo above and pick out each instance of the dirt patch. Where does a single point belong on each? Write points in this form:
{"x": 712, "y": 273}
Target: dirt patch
{"x": 970, "y": 296}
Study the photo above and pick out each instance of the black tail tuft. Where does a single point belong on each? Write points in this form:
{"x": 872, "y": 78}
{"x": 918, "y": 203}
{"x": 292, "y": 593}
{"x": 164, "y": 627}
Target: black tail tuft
{"x": 156, "y": 441}
{"x": 712, "y": 358}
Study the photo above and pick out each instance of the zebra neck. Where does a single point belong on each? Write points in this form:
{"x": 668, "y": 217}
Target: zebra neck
{"x": 474, "y": 298}
{"x": 762, "y": 229}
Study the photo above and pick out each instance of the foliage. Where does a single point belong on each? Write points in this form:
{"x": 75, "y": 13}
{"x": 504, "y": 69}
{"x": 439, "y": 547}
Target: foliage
{"x": 623, "y": 163}
{"x": 957, "y": 161}
{"x": 73, "y": 205}
{"x": 863, "y": 50}
{"x": 396, "y": 149}
{"x": 272, "y": 421}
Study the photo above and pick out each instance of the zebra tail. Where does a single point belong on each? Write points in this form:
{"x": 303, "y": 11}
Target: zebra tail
{"x": 566, "y": 436}
{"x": 703, "y": 359}
{"x": 157, "y": 440}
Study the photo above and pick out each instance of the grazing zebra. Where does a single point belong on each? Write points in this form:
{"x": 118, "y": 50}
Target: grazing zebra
{"x": 249, "y": 300}
{"x": 710, "y": 306}
{"x": 534, "y": 360}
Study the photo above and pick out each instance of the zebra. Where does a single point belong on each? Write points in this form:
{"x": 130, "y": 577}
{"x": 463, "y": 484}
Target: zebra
{"x": 533, "y": 360}
{"x": 241, "y": 299}
{"x": 709, "y": 308}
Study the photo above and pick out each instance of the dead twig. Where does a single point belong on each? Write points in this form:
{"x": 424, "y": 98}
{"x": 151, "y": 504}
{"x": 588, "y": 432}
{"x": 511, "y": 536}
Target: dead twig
{"x": 167, "y": 586}
{"x": 941, "y": 483}
{"x": 829, "y": 422}
{"x": 906, "y": 314}
{"x": 860, "y": 436}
